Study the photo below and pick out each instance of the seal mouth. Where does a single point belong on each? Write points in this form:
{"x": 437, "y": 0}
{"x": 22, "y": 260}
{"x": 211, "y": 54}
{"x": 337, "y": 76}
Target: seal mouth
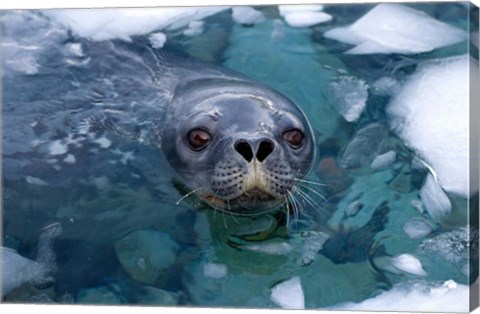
{"x": 251, "y": 202}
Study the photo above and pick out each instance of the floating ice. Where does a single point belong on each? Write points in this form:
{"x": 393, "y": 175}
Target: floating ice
{"x": 306, "y": 19}
{"x": 419, "y": 296}
{"x": 286, "y": 9}
{"x": 409, "y": 264}
{"x": 453, "y": 246}
{"x": 417, "y": 228}
{"x": 194, "y": 28}
{"x": 58, "y": 147}
{"x": 431, "y": 114}
{"x": 353, "y": 208}
{"x": 385, "y": 86}
{"x": 383, "y": 161}
{"x": 35, "y": 181}
{"x": 289, "y": 294}
{"x": 314, "y": 241}
{"x": 247, "y": 15}
{"x": 395, "y": 28}
{"x": 157, "y": 40}
{"x": 281, "y": 248}
{"x": 103, "y": 142}
{"x": 215, "y": 271}
{"x": 70, "y": 159}
{"x": 105, "y": 24}
{"x": 361, "y": 149}
{"x": 436, "y": 201}
{"x": 349, "y": 96}
{"x": 16, "y": 270}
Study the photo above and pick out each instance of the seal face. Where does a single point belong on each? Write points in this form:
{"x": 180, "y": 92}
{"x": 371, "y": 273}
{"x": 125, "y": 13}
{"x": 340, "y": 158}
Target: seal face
{"x": 238, "y": 145}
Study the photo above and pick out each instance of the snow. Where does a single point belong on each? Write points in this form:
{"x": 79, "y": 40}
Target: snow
{"x": 395, "y": 28}
{"x": 417, "y": 228}
{"x": 417, "y": 296}
{"x": 157, "y": 40}
{"x": 409, "y": 264}
{"x": 431, "y": 115}
{"x": 106, "y": 24}
{"x": 289, "y": 294}
{"x": 286, "y": 9}
{"x": 383, "y": 161}
{"x": 247, "y": 15}
{"x": 349, "y": 96}
{"x": 385, "y": 86}
{"x": 436, "y": 201}
{"x": 306, "y": 19}
{"x": 215, "y": 270}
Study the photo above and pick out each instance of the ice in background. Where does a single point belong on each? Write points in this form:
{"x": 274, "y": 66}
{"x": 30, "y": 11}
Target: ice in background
{"x": 386, "y": 89}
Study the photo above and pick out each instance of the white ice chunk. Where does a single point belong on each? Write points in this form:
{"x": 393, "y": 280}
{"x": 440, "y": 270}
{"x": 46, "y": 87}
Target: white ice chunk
{"x": 58, "y": 147}
{"x": 157, "y": 40}
{"x": 289, "y": 8}
{"x": 383, "y": 161}
{"x": 215, "y": 270}
{"x": 281, "y": 248}
{"x": 353, "y": 208}
{"x": 247, "y": 15}
{"x": 417, "y": 297}
{"x": 16, "y": 270}
{"x": 70, "y": 159}
{"x": 396, "y": 28}
{"x": 409, "y": 264}
{"x": 431, "y": 114}
{"x": 436, "y": 201}
{"x": 385, "y": 86}
{"x": 105, "y": 24}
{"x": 35, "y": 181}
{"x": 314, "y": 241}
{"x": 349, "y": 96}
{"x": 306, "y": 19}
{"x": 103, "y": 142}
{"x": 417, "y": 228}
{"x": 194, "y": 28}
{"x": 289, "y": 294}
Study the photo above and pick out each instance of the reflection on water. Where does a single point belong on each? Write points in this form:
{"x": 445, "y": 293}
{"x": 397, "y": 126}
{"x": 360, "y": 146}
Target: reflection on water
{"x": 372, "y": 215}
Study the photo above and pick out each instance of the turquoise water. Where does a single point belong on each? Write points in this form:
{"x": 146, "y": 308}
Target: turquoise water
{"x": 127, "y": 240}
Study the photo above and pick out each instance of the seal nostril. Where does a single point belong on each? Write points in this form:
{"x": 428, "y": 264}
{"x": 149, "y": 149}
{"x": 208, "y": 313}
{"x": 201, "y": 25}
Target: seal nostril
{"x": 244, "y": 149}
{"x": 264, "y": 149}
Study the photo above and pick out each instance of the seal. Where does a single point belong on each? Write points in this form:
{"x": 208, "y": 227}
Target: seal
{"x": 238, "y": 144}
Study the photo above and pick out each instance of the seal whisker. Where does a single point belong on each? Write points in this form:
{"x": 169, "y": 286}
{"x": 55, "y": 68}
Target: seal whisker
{"x": 307, "y": 198}
{"x": 316, "y": 192}
{"x": 187, "y": 195}
{"x": 311, "y": 182}
{"x": 295, "y": 210}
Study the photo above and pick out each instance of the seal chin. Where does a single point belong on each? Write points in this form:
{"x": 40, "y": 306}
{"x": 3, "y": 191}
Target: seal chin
{"x": 253, "y": 202}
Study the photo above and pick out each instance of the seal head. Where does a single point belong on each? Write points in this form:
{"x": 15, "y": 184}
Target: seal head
{"x": 238, "y": 145}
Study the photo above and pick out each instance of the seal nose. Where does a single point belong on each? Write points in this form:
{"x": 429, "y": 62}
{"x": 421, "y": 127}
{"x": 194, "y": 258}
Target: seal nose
{"x": 245, "y": 149}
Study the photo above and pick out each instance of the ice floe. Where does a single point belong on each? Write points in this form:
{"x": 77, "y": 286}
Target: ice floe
{"x": 215, "y": 270}
{"x": 431, "y": 115}
{"x": 105, "y": 24}
{"x": 436, "y": 201}
{"x": 303, "y": 15}
{"x": 448, "y": 296}
{"x": 395, "y": 28}
{"x": 247, "y": 15}
{"x": 409, "y": 264}
{"x": 417, "y": 228}
{"x": 383, "y": 161}
{"x": 289, "y": 294}
{"x": 157, "y": 40}
{"x": 349, "y": 96}
{"x": 194, "y": 28}
{"x": 385, "y": 86}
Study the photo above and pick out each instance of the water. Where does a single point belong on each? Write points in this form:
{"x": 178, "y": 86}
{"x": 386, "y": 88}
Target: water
{"x": 365, "y": 227}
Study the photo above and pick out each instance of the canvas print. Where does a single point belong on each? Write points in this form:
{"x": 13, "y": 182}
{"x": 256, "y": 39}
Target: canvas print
{"x": 314, "y": 156}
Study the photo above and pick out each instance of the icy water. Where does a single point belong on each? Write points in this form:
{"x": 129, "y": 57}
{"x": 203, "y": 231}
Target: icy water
{"x": 389, "y": 214}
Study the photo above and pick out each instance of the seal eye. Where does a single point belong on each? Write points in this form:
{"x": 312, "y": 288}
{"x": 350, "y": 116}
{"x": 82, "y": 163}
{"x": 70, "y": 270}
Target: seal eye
{"x": 198, "y": 139}
{"x": 294, "y": 137}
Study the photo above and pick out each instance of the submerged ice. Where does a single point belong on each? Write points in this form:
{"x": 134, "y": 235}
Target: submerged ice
{"x": 395, "y": 28}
